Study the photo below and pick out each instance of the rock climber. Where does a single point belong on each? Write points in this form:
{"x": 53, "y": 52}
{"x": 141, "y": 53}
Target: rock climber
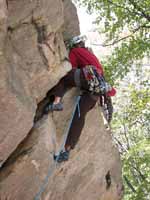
{"x": 80, "y": 57}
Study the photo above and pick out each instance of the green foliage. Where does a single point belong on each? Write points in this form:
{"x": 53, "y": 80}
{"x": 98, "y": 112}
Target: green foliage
{"x": 131, "y": 129}
{"x": 126, "y": 25}
{"x": 124, "y": 56}
{"x": 136, "y": 167}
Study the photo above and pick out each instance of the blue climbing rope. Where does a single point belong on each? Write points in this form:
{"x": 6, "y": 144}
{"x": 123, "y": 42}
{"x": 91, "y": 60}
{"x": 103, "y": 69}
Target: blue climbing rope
{"x": 53, "y": 166}
{"x": 45, "y": 182}
{"x": 76, "y": 106}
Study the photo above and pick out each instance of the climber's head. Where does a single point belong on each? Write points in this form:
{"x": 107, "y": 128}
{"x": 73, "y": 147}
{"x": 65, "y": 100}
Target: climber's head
{"x": 77, "y": 41}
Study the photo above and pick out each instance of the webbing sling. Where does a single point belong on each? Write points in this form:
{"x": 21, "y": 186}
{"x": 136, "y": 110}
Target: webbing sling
{"x": 53, "y": 166}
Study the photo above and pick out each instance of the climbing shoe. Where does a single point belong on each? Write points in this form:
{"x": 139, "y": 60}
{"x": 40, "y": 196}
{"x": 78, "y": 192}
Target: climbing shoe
{"x": 63, "y": 156}
{"x": 53, "y": 107}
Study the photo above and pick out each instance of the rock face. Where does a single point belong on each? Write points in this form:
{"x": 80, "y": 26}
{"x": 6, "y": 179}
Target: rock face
{"x": 93, "y": 170}
{"x": 71, "y": 25}
{"x": 32, "y": 61}
{"x": 32, "y": 57}
{"x": 23, "y": 174}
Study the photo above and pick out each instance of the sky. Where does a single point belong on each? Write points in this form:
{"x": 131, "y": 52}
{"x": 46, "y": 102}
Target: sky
{"x": 89, "y": 29}
{"x": 85, "y": 20}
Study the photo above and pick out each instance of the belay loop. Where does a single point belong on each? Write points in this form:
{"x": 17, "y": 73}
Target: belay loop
{"x": 96, "y": 82}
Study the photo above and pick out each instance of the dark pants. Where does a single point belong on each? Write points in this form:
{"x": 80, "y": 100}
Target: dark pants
{"x": 86, "y": 103}
{"x": 67, "y": 82}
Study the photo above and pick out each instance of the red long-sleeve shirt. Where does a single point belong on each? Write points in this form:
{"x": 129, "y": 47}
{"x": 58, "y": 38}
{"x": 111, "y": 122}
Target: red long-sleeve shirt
{"x": 80, "y": 57}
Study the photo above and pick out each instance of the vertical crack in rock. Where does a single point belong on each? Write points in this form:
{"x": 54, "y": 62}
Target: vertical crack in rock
{"x": 40, "y": 107}
{"x": 41, "y": 38}
{"x": 53, "y": 35}
{"x": 17, "y": 153}
{"x": 7, "y": 3}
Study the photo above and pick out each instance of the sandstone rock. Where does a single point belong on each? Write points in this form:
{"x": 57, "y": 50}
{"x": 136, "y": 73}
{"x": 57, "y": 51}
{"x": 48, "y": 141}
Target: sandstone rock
{"x": 16, "y": 106}
{"x": 29, "y": 67}
{"x": 42, "y": 11}
{"x": 94, "y": 160}
{"x": 16, "y": 121}
{"x": 25, "y": 171}
{"x": 92, "y": 172}
{"x": 3, "y": 23}
{"x": 42, "y": 61}
{"x": 71, "y": 25}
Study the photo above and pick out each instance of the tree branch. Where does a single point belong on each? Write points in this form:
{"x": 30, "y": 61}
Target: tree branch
{"x": 126, "y": 137}
{"x": 117, "y": 41}
{"x": 133, "y": 12}
{"x": 142, "y": 13}
{"x": 140, "y": 173}
{"x": 129, "y": 184}
{"x": 114, "y": 42}
{"x": 119, "y": 6}
{"x": 123, "y": 38}
{"x": 122, "y": 148}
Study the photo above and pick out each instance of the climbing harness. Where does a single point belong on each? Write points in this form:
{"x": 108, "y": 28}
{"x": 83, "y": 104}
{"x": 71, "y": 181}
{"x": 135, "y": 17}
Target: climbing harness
{"x": 53, "y": 166}
{"x": 96, "y": 83}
